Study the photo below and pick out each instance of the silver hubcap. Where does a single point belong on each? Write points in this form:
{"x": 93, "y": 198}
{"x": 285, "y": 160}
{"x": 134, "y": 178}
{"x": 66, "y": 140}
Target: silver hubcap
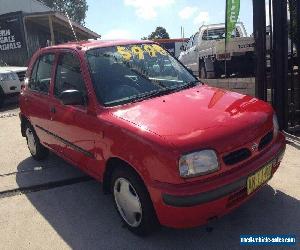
{"x": 31, "y": 141}
{"x": 128, "y": 202}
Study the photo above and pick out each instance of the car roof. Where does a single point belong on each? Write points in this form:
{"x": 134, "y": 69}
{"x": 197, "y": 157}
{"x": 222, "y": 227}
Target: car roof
{"x": 90, "y": 44}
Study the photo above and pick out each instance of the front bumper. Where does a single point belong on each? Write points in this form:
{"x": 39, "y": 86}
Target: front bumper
{"x": 11, "y": 87}
{"x": 176, "y": 208}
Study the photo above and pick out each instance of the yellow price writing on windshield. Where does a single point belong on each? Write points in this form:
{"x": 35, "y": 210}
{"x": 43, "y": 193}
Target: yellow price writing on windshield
{"x": 139, "y": 51}
{"x": 124, "y": 52}
{"x": 150, "y": 50}
{"x": 159, "y": 49}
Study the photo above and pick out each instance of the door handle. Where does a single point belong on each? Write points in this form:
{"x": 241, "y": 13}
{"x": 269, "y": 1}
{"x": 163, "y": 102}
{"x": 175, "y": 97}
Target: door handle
{"x": 53, "y": 110}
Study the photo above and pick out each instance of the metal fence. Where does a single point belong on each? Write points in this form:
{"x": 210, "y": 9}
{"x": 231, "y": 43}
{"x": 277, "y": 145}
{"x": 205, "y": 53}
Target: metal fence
{"x": 278, "y": 71}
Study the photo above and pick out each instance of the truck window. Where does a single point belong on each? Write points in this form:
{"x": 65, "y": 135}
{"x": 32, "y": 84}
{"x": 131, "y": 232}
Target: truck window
{"x": 217, "y": 34}
{"x": 41, "y": 74}
{"x": 68, "y": 75}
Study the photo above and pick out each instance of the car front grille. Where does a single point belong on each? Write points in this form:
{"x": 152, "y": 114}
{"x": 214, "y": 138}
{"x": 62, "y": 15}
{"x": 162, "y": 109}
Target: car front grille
{"x": 21, "y": 75}
{"x": 237, "y": 156}
{"x": 265, "y": 141}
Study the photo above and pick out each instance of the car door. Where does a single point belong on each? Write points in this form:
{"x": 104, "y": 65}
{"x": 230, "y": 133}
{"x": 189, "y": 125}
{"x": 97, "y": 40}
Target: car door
{"x": 188, "y": 55}
{"x": 38, "y": 97}
{"x": 73, "y": 125}
{"x": 193, "y": 52}
{"x": 184, "y": 54}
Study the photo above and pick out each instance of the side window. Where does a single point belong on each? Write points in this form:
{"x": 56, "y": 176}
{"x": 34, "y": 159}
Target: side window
{"x": 41, "y": 74}
{"x": 205, "y": 35}
{"x": 68, "y": 75}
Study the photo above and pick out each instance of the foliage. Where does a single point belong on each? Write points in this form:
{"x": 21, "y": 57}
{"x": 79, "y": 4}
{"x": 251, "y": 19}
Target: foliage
{"x": 159, "y": 33}
{"x": 76, "y": 9}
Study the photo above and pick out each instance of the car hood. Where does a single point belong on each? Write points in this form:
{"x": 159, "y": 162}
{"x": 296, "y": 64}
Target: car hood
{"x": 201, "y": 117}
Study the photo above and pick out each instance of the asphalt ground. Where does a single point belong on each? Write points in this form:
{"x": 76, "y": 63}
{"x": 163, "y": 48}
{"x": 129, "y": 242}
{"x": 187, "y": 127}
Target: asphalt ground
{"x": 52, "y": 205}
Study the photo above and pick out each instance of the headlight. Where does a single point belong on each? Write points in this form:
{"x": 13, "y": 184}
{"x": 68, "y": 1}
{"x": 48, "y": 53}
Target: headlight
{"x": 198, "y": 163}
{"x": 8, "y": 76}
{"x": 275, "y": 126}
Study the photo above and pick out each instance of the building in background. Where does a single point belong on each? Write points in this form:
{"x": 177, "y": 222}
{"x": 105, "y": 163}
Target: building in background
{"x": 174, "y": 46}
{"x": 27, "y": 25}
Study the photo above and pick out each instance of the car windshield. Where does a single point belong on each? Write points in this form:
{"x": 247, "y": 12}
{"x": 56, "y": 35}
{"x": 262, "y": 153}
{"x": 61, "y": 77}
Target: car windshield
{"x": 129, "y": 73}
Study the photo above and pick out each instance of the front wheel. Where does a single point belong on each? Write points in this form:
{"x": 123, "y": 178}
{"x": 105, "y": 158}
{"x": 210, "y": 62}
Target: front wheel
{"x": 37, "y": 150}
{"x": 133, "y": 202}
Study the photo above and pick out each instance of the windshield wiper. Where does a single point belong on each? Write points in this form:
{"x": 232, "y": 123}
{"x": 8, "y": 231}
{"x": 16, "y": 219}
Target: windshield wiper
{"x": 164, "y": 91}
{"x": 148, "y": 95}
{"x": 155, "y": 93}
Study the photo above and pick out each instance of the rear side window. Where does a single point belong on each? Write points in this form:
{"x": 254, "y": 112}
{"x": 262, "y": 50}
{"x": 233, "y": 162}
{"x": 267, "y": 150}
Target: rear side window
{"x": 41, "y": 74}
{"x": 68, "y": 75}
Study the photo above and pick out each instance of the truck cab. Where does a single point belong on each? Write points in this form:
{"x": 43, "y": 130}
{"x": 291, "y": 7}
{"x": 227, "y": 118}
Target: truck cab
{"x": 205, "y": 53}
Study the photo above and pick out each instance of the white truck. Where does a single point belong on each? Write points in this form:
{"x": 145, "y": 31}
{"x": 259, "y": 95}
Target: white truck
{"x": 11, "y": 79}
{"x": 206, "y": 56}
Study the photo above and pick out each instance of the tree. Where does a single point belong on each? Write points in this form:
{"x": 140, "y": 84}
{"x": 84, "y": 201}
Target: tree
{"x": 76, "y": 9}
{"x": 159, "y": 33}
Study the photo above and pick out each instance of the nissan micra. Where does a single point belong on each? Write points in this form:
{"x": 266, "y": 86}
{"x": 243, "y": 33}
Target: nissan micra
{"x": 171, "y": 150}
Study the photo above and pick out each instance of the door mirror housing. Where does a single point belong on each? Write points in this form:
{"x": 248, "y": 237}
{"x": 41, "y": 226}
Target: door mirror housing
{"x": 72, "y": 97}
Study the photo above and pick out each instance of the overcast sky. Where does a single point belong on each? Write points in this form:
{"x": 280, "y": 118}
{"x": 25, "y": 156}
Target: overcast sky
{"x": 138, "y": 18}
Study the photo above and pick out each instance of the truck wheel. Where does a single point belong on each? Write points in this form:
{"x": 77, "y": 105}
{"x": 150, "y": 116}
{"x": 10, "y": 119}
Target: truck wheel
{"x": 133, "y": 202}
{"x": 202, "y": 71}
{"x": 37, "y": 150}
{"x": 2, "y": 97}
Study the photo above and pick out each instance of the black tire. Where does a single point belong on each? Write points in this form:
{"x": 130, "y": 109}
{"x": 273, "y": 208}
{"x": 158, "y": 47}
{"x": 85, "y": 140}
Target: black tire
{"x": 2, "y": 97}
{"x": 148, "y": 219}
{"x": 202, "y": 71}
{"x": 40, "y": 152}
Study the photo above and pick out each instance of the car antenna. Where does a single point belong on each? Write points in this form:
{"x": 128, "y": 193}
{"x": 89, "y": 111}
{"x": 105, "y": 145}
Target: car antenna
{"x": 72, "y": 28}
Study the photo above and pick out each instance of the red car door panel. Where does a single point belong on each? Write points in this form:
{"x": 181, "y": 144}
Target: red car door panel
{"x": 69, "y": 123}
{"x": 38, "y": 97}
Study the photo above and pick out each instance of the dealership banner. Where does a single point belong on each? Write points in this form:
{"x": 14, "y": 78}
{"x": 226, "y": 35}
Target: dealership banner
{"x": 10, "y": 34}
{"x": 232, "y": 15}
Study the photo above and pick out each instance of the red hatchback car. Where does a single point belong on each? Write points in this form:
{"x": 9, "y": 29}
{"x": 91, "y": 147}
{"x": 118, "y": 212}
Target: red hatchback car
{"x": 170, "y": 149}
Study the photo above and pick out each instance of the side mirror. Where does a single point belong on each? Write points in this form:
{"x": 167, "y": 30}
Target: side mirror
{"x": 72, "y": 97}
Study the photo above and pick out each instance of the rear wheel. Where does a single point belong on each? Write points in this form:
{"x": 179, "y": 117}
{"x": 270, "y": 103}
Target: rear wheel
{"x": 133, "y": 202}
{"x": 37, "y": 150}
